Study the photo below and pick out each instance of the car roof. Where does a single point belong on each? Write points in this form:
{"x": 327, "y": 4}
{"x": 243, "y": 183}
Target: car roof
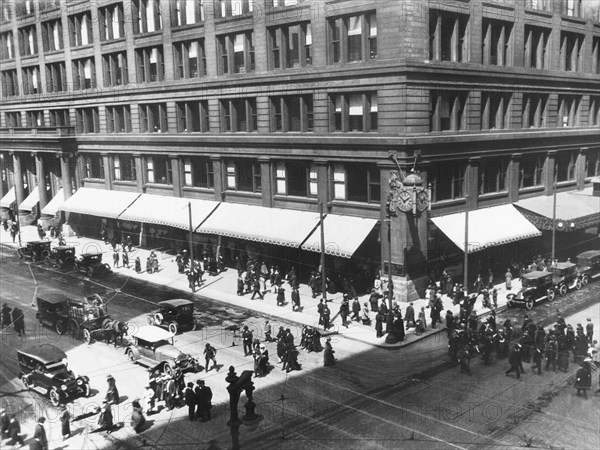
{"x": 39, "y": 242}
{"x": 536, "y": 274}
{"x": 45, "y": 353}
{"x": 64, "y": 247}
{"x": 563, "y": 265}
{"x": 176, "y": 302}
{"x": 589, "y": 254}
{"x": 151, "y": 333}
{"x": 52, "y": 297}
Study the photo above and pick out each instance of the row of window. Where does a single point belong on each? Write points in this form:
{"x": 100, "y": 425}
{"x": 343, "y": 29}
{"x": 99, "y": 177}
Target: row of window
{"x": 348, "y": 112}
{"x": 349, "y": 181}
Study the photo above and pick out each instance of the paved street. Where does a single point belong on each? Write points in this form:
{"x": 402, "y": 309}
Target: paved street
{"x": 414, "y": 398}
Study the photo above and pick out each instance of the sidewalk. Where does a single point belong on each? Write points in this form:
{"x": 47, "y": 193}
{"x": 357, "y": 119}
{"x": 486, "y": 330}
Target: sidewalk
{"x": 223, "y": 287}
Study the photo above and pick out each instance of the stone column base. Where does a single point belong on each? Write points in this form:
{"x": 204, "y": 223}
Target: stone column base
{"x": 407, "y": 289}
{"x": 67, "y": 230}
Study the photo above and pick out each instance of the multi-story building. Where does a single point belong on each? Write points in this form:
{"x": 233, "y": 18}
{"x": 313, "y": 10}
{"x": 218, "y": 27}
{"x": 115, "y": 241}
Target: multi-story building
{"x": 263, "y": 111}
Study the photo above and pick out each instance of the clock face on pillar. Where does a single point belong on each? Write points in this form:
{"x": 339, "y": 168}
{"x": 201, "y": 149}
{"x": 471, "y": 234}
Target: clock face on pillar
{"x": 422, "y": 200}
{"x": 404, "y": 201}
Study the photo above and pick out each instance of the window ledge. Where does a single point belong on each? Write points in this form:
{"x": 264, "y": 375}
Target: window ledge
{"x": 107, "y": 42}
{"x": 94, "y": 180}
{"x": 374, "y": 205}
{"x": 566, "y": 183}
{"x": 242, "y": 193}
{"x": 157, "y": 185}
{"x": 229, "y": 19}
{"x": 187, "y": 26}
{"x": 571, "y": 19}
{"x": 531, "y": 189}
{"x": 539, "y": 12}
{"x": 147, "y": 34}
{"x": 198, "y": 189}
{"x": 125, "y": 182}
{"x": 492, "y": 195}
{"x": 295, "y": 198}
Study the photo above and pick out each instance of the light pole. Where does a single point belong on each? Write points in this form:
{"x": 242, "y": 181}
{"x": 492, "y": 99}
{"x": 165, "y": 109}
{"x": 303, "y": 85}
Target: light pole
{"x": 323, "y": 278}
{"x": 466, "y": 260}
{"x": 191, "y": 239}
{"x": 553, "y": 220}
{"x": 250, "y": 419}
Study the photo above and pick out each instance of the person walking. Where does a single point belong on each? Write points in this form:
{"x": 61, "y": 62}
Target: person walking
{"x": 280, "y": 295}
{"x": 138, "y": 264}
{"x": 551, "y": 353}
{"x": 125, "y": 259}
{"x": 6, "y": 315}
{"x": 344, "y": 312}
{"x": 210, "y": 354}
{"x": 39, "y": 435}
{"x": 379, "y": 324}
{"x": 589, "y": 330}
{"x": 112, "y": 393}
{"x": 116, "y": 258}
{"x": 65, "y": 423}
{"x": 296, "y": 299}
{"x": 256, "y": 289}
{"x": 538, "y": 355}
{"x": 18, "y": 321}
{"x": 137, "y": 416}
{"x": 191, "y": 400}
{"x": 326, "y": 317}
{"x": 206, "y": 398}
{"x": 14, "y": 432}
{"x": 328, "y": 352}
{"x": 409, "y": 316}
{"x": 508, "y": 279}
{"x": 356, "y": 310}
{"x": 515, "y": 361}
{"x": 247, "y": 340}
{"x": 366, "y": 319}
{"x": 267, "y": 329}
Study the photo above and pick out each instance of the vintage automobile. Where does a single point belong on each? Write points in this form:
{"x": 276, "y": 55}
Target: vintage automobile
{"x": 565, "y": 277}
{"x": 536, "y": 286}
{"x": 34, "y": 250}
{"x": 588, "y": 266}
{"x": 91, "y": 264}
{"x": 152, "y": 347}
{"x": 44, "y": 366}
{"x": 83, "y": 319}
{"x": 61, "y": 256}
{"x": 174, "y": 315}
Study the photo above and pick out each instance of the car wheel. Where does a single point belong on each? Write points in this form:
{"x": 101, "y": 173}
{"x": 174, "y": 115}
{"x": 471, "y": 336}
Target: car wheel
{"x": 60, "y": 327}
{"x": 551, "y": 295}
{"x": 150, "y": 320}
{"x": 89, "y": 272}
{"x": 26, "y": 382}
{"x": 34, "y": 257}
{"x": 529, "y": 304}
{"x": 87, "y": 391}
{"x": 131, "y": 356}
{"x": 87, "y": 336}
{"x": 578, "y": 284}
{"x": 47, "y": 260}
{"x": 75, "y": 267}
{"x": 168, "y": 370}
{"x": 562, "y": 290}
{"x": 584, "y": 280}
{"x": 173, "y": 327}
{"x": 75, "y": 330}
{"x": 54, "y": 396}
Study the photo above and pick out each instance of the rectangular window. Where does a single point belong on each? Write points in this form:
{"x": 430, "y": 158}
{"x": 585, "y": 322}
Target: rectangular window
{"x": 283, "y": 3}
{"x": 232, "y": 8}
{"x": 363, "y": 184}
{"x": 564, "y": 166}
{"x": 27, "y": 41}
{"x": 236, "y": 53}
{"x": 448, "y": 36}
{"x": 192, "y": 117}
{"x": 111, "y": 22}
{"x": 124, "y": 167}
{"x": 493, "y": 175}
{"x": 239, "y": 115}
{"x": 146, "y": 16}
{"x": 447, "y": 180}
{"x": 447, "y": 110}
{"x": 198, "y": 172}
{"x": 56, "y": 77}
{"x": 52, "y": 35}
{"x": 571, "y": 51}
{"x": 594, "y": 118}
{"x": 80, "y": 29}
{"x": 13, "y": 119}
{"x": 153, "y": 118}
{"x": 190, "y": 59}
{"x": 495, "y": 110}
{"x": 59, "y": 118}
{"x": 292, "y": 113}
{"x": 290, "y": 46}
{"x": 6, "y": 11}
{"x": 296, "y": 178}
{"x": 93, "y": 164}
{"x": 568, "y": 110}
{"x": 10, "y": 83}
{"x": 150, "y": 64}
{"x": 541, "y": 5}
{"x": 596, "y": 53}
{"x": 24, "y": 8}
{"x": 571, "y": 8}
{"x": 497, "y": 42}
{"x": 339, "y": 182}
{"x": 87, "y": 120}
{"x": 118, "y": 119}
{"x": 7, "y": 50}
{"x": 84, "y": 74}
{"x": 534, "y": 110}
{"x": 353, "y": 112}
{"x": 352, "y": 38}
{"x": 592, "y": 163}
{"x": 537, "y": 48}
{"x": 34, "y": 119}
{"x": 31, "y": 80}
{"x": 531, "y": 168}
{"x": 115, "y": 69}
{"x": 187, "y": 12}
{"x": 243, "y": 175}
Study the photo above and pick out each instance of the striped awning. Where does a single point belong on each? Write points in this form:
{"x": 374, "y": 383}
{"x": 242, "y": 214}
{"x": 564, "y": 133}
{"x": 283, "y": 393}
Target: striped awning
{"x": 54, "y": 205}
{"x": 99, "y": 202}
{"x": 9, "y": 199}
{"x": 32, "y": 199}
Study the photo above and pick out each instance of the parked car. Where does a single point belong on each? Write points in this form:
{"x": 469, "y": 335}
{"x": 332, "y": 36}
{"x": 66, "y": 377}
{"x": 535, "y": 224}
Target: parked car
{"x": 45, "y": 366}
{"x": 536, "y": 286}
{"x": 34, "y": 250}
{"x": 91, "y": 264}
{"x": 588, "y": 265}
{"x": 53, "y": 311}
{"x": 153, "y": 347}
{"x": 174, "y": 315}
{"x": 565, "y": 277}
{"x": 61, "y": 256}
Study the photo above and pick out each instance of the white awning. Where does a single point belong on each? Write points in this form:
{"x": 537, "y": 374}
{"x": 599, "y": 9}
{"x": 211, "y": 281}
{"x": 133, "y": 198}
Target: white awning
{"x": 54, "y": 205}
{"x": 277, "y": 226}
{"x": 99, "y": 202}
{"x": 32, "y": 199}
{"x": 488, "y": 227}
{"x": 343, "y": 235}
{"x": 8, "y": 200}
{"x": 170, "y": 211}
{"x": 570, "y": 206}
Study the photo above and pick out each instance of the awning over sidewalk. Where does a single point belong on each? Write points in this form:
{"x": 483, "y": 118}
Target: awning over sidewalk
{"x": 170, "y": 211}
{"x": 277, "y": 226}
{"x": 55, "y": 204}
{"x": 99, "y": 202}
{"x": 343, "y": 235}
{"x": 488, "y": 227}
{"x": 32, "y": 199}
{"x": 575, "y": 209}
{"x": 8, "y": 200}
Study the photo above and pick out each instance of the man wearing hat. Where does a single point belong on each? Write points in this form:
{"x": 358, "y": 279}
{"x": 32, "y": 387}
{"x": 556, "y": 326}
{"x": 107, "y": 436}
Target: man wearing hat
{"x": 105, "y": 418}
{"x": 4, "y": 422}
{"x": 191, "y": 400}
{"x": 515, "y": 361}
{"x": 112, "y": 393}
{"x": 583, "y": 377}
{"x": 6, "y": 319}
{"x": 65, "y": 422}
{"x": 39, "y": 436}
{"x": 589, "y": 330}
{"x": 328, "y": 358}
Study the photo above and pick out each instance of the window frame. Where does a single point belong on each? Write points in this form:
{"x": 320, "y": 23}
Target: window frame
{"x": 339, "y": 41}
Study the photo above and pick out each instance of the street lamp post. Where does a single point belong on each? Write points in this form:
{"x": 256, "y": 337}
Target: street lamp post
{"x": 466, "y": 260}
{"x": 553, "y": 220}
{"x": 323, "y": 277}
{"x": 250, "y": 419}
{"x": 191, "y": 239}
